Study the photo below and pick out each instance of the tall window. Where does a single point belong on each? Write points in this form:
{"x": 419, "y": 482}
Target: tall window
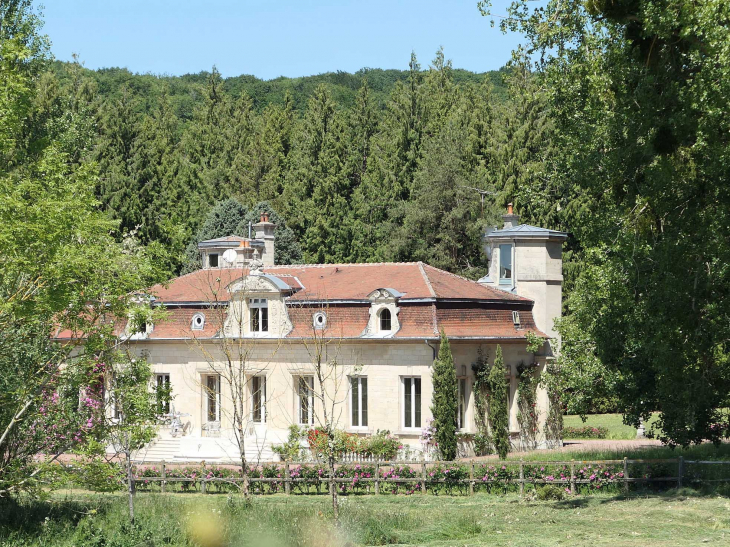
{"x": 411, "y": 402}
{"x": 385, "y": 319}
{"x": 461, "y": 394}
{"x": 213, "y": 260}
{"x": 359, "y": 401}
{"x": 505, "y": 264}
{"x": 305, "y": 399}
{"x": 212, "y": 398}
{"x": 258, "y": 399}
{"x": 259, "y": 309}
{"x": 162, "y": 393}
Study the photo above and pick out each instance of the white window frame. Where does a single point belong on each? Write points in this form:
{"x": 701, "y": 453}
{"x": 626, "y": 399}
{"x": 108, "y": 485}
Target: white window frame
{"x": 206, "y": 394}
{"x": 309, "y": 379}
{"x": 380, "y": 320}
{"x": 507, "y": 280}
{"x": 462, "y": 389}
{"x": 193, "y": 322}
{"x": 261, "y": 379}
{"x": 255, "y": 305}
{"x": 412, "y": 427}
{"x": 217, "y": 260}
{"x": 357, "y": 405}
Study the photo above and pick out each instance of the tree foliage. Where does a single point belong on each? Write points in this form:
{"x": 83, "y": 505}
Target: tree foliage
{"x": 498, "y": 389}
{"x": 64, "y": 267}
{"x": 638, "y": 94}
{"x": 444, "y": 400}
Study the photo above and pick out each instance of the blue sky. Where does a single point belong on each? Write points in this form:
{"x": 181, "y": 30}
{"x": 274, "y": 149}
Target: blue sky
{"x": 275, "y": 37}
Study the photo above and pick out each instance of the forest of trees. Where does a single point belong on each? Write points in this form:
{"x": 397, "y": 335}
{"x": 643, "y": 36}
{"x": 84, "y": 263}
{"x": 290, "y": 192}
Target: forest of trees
{"x": 352, "y": 163}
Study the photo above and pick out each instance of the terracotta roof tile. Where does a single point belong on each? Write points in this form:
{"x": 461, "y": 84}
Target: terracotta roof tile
{"x": 336, "y": 282}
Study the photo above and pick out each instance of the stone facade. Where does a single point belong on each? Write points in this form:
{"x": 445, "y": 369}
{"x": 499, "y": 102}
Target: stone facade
{"x": 380, "y": 323}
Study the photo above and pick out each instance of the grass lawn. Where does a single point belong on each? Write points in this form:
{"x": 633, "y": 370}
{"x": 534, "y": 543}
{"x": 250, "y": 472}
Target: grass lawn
{"x": 613, "y": 422}
{"x": 84, "y": 520}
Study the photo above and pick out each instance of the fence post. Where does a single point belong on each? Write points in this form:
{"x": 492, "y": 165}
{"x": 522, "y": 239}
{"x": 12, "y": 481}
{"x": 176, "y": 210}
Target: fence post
{"x": 164, "y": 474}
{"x": 572, "y": 476}
{"x": 423, "y": 478}
{"x": 471, "y": 479}
{"x": 680, "y": 471}
{"x": 287, "y": 478}
{"x": 626, "y": 475}
{"x": 522, "y": 478}
{"x": 377, "y": 477}
{"x": 202, "y": 477}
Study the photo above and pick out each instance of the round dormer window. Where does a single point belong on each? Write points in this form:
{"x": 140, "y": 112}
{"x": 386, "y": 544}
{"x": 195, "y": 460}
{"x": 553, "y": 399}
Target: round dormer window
{"x": 319, "y": 320}
{"x": 198, "y": 321}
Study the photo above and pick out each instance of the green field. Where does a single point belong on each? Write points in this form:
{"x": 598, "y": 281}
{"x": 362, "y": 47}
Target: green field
{"x": 613, "y": 422}
{"x": 82, "y": 520}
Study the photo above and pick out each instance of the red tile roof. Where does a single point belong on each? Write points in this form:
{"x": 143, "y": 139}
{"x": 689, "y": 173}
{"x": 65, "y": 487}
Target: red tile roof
{"x": 337, "y": 282}
{"x": 432, "y": 300}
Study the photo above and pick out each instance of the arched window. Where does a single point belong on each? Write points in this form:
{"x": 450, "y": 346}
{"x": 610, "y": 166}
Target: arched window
{"x": 198, "y": 321}
{"x": 385, "y": 320}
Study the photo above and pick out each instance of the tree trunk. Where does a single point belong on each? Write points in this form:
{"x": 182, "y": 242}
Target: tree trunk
{"x": 246, "y": 482}
{"x": 333, "y": 487}
{"x": 130, "y": 485}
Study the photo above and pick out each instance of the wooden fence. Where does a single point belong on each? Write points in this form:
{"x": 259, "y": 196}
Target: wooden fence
{"x": 571, "y": 482}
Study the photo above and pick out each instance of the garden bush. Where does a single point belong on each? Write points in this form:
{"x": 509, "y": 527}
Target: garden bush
{"x": 585, "y": 432}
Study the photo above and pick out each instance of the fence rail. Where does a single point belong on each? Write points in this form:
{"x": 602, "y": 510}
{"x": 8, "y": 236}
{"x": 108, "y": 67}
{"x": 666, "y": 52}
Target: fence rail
{"x": 422, "y": 479}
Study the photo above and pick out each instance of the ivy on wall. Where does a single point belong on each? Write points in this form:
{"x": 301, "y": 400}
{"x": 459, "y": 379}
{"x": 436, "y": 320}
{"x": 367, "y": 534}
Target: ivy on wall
{"x": 527, "y": 412}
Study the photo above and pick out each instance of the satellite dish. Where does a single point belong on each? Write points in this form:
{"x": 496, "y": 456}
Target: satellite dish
{"x": 230, "y": 256}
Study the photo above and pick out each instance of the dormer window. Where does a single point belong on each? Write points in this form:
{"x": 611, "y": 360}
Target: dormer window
{"x": 213, "y": 260}
{"x": 385, "y": 323}
{"x": 259, "y": 310}
{"x": 505, "y": 264}
{"x": 198, "y": 322}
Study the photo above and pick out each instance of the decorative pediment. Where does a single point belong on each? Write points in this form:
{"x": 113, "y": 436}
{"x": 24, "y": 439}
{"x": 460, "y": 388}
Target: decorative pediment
{"x": 383, "y": 321}
{"x": 384, "y": 295}
{"x": 261, "y": 283}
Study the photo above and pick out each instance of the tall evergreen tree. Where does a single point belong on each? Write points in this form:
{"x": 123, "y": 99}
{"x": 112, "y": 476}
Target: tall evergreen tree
{"x": 498, "y": 412}
{"x": 118, "y": 190}
{"x": 444, "y": 404}
{"x": 317, "y": 184}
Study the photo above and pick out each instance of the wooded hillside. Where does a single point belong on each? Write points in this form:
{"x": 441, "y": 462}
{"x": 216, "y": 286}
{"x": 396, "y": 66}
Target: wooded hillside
{"x": 354, "y": 164}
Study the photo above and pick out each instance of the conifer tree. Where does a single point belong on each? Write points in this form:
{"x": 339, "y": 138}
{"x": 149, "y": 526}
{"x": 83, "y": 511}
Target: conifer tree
{"x": 316, "y": 192}
{"x": 222, "y": 220}
{"x": 498, "y": 405}
{"x": 117, "y": 189}
{"x": 444, "y": 400}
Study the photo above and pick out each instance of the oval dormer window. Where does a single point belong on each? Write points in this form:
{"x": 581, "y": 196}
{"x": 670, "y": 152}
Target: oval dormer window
{"x": 385, "y": 320}
{"x": 198, "y": 321}
{"x": 319, "y": 320}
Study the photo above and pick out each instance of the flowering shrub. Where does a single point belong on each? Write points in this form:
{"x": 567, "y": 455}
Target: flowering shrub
{"x": 491, "y": 477}
{"x": 585, "y": 432}
{"x": 392, "y": 475}
{"x": 449, "y": 479}
{"x": 382, "y": 445}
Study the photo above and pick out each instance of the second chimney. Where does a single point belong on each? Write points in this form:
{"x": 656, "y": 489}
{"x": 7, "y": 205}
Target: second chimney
{"x": 511, "y": 220}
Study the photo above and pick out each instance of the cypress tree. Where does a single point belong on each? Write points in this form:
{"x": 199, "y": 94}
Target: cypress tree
{"x": 444, "y": 400}
{"x": 498, "y": 408}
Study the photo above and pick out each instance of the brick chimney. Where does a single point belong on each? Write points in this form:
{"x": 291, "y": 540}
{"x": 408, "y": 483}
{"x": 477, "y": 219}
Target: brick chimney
{"x": 511, "y": 219}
